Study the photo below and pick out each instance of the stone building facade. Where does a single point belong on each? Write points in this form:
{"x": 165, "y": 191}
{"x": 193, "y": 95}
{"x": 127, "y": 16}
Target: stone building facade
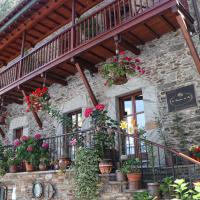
{"x": 168, "y": 66}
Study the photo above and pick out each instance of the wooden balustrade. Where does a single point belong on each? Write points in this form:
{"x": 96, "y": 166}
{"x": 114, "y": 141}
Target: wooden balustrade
{"x": 106, "y": 19}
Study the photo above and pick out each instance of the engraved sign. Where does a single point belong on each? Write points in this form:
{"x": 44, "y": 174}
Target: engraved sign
{"x": 181, "y": 98}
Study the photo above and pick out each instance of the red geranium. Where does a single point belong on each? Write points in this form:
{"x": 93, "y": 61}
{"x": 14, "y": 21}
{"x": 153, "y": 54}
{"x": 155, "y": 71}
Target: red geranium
{"x": 100, "y": 107}
{"x": 88, "y": 112}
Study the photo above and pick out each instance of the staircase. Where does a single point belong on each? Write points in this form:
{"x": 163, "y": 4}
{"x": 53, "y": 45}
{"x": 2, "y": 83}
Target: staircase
{"x": 167, "y": 162}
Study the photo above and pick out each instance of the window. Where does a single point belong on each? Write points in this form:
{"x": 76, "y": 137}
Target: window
{"x": 132, "y": 111}
{"x": 18, "y": 133}
{"x": 76, "y": 120}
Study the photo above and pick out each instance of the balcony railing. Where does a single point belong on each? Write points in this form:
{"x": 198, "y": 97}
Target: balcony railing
{"x": 105, "y": 19}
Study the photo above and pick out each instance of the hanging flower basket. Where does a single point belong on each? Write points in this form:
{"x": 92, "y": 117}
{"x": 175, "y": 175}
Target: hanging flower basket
{"x": 116, "y": 71}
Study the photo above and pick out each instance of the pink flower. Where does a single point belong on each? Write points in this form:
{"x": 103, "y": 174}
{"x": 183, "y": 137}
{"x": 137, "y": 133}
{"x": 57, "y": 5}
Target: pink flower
{"x": 73, "y": 142}
{"x": 142, "y": 71}
{"x": 137, "y": 68}
{"x": 24, "y": 138}
{"x": 100, "y": 107}
{"x": 88, "y": 112}
{"x": 29, "y": 149}
{"x": 17, "y": 143}
{"x": 37, "y": 136}
{"x": 137, "y": 60}
{"x": 128, "y": 59}
{"x": 45, "y": 145}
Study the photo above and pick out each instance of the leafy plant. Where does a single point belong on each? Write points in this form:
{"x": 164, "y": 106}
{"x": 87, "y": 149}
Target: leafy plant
{"x": 120, "y": 67}
{"x": 196, "y": 194}
{"x": 142, "y": 196}
{"x": 3, "y": 160}
{"x": 181, "y": 189}
{"x": 165, "y": 187}
{"x": 11, "y": 157}
{"x": 87, "y": 174}
{"x": 130, "y": 166}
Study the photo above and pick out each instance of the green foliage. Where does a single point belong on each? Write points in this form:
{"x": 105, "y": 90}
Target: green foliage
{"x": 181, "y": 189}
{"x": 11, "y": 157}
{"x": 87, "y": 174}
{"x": 3, "y": 160}
{"x": 196, "y": 194}
{"x": 142, "y": 196}
{"x": 130, "y": 166}
{"x": 165, "y": 186}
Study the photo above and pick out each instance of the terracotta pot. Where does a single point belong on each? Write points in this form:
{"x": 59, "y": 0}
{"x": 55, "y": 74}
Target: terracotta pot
{"x": 64, "y": 163}
{"x": 154, "y": 190}
{"x": 13, "y": 169}
{"x": 120, "y": 80}
{"x": 42, "y": 167}
{"x": 105, "y": 166}
{"x": 120, "y": 176}
{"x": 137, "y": 176}
{"x": 29, "y": 167}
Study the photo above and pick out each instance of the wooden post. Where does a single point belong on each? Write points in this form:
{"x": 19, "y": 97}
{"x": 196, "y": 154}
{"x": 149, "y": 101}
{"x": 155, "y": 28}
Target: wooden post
{"x": 2, "y": 133}
{"x": 35, "y": 115}
{"x": 86, "y": 83}
{"x": 22, "y": 53}
{"x": 73, "y": 31}
{"x": 189, "y": 41}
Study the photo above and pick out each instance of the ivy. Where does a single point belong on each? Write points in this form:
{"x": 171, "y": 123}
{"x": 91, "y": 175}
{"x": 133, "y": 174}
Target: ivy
{"x": 87, "y": 174}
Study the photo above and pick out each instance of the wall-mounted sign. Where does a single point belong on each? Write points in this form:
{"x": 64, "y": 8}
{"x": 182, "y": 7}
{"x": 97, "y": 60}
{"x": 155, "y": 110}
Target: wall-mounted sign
{"x": 181, "y": 98}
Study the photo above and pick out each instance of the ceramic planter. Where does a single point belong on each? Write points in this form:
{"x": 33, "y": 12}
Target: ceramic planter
{"x": 42, "y": 167}
{"x": 134, "y": 180}
{"x": 154, "y": 190}
{"x": 120, "y": 176}
{"x": 105, "y": 166}
{"x": 13, "y": 169}
{"x": 64, "y": 163}
{"x": 29, "y": 167}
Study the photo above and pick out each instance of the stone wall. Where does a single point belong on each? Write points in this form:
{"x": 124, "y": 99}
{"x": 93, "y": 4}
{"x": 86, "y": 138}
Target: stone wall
{"x": 168, "y": 66}
{"x": 20, "y": 185}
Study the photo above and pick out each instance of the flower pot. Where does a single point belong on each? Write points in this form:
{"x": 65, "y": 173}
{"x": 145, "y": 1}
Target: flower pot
{"x": 134, "y": 185}
{"x": 136, "y": 176}
{"x": 42, "y": 167}
{"x": 120, "y": 80}
{"x": 13, "y": 169}
{"x": 120, "y": 176}
{"x": 154, "y": 190}
{"x": 64, "y": 163}
{"x": 29, "y": 167}
{"x": 105, "y": 166}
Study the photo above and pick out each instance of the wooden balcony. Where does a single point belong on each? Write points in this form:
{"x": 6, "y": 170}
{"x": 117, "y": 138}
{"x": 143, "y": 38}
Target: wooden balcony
{"x": 91, "y": 41}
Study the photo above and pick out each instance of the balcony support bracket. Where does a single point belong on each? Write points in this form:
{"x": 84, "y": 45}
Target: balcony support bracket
{"x": 186, "y": 34}
{"x": 85, "y": 81}
{"x": 35, "y": 115}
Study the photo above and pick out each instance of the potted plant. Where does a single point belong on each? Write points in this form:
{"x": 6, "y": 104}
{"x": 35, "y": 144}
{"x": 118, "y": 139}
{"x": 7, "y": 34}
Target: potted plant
{"x": 120, "y": 176}
{"x": 143, "y": 196}
{"x": 44, "y": 156}
{"x": 195, "y": 152}
{"x": 104, "y": 137}
{"x": 166, "y": 187}
{"x": 117, "y": 70}
{"x": 131, "y": 168}
{"x": 12, "y": 160}
{"x": 28, "y": 150}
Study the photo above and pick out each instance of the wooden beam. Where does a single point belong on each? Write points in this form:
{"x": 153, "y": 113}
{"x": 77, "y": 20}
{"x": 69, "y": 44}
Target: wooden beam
{"x": 152, "y": 31}
{"x": 86, "y": 83}
{"x": 189, "y": 41}
{"x": 35, "y": 115}
{"x": 3, "y": 135}
{"x": 86, "y": 65}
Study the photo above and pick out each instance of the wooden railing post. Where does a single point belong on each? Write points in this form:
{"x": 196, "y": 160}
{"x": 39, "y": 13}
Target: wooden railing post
{"x": 22, "y": 53}
{"x": 73, "y": 30}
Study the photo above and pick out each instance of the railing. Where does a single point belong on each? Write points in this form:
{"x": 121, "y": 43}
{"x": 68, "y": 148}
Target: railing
{"x": 106, "y": 19}
{"x": 156, "y": 161}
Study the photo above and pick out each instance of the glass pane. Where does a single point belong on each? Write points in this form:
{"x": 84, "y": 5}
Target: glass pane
{"x": 141, "y": 121}
{"x": 130, "y": 149}
{"x": 127, "y": 107}
{"x": 74, "y": 120}
{"x": 139, "y": 103}
{"x": 129, "y": 121}
{"x": 79, "y": 120}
